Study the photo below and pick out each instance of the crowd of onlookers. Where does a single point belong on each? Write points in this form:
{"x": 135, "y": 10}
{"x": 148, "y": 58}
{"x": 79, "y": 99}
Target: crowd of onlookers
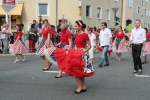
{"x": 34, "y": 34}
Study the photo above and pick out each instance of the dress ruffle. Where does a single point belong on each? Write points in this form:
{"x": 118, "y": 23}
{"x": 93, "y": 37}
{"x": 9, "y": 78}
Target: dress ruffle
{"x": 74, "y": 63}
{"x": 18, "y": 48}
{"x": 121, "y": 48}
{"x": 147, "y": 48}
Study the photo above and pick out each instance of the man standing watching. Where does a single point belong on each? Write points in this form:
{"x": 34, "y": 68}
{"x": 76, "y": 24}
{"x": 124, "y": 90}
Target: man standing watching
{"x": 137, "y": 39}
{"x": 105, "y": 38}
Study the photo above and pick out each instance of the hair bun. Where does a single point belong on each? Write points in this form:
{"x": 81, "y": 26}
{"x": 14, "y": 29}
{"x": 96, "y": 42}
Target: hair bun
{"x": 84, "y": 25}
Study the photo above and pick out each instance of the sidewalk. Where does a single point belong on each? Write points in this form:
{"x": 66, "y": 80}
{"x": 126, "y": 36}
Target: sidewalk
{"x": 26, "y": 54}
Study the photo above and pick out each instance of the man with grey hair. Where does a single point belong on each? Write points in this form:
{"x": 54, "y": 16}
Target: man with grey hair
{"x": 6, "y": 32}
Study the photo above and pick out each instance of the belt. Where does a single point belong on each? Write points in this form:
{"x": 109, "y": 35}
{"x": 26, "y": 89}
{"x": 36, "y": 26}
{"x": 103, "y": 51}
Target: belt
{"x": 137, "y": 44}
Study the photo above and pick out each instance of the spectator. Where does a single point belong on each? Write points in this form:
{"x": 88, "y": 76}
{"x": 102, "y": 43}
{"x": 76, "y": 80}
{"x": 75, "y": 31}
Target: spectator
{"x": 53, "y": 34}
{"x": 39, "y": 32}
{"x": 2, "y": 36}
{"x": 34, "y": 22}
{"x": 23, "y": 32}
{"x": 6, "y": 31}
{"x": 73, "y": 32}
{"x": 32, "y": 38}
{"x": 58, "y": 34}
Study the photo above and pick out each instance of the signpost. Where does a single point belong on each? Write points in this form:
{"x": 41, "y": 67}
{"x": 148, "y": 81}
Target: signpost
{"x": 8, "y": 5}
{"x": 115, "y": 10}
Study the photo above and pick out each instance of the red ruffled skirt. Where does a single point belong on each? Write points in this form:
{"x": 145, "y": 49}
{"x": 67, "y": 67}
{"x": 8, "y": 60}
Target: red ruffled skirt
{"x": 74, "y": 63}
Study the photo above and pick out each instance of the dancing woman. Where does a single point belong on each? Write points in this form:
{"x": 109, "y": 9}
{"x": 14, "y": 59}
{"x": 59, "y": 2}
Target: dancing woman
{"x": 146, "y": 50}
{"x": 45, "y": 41}
{"x": 119, "y": 45}
{"x": 18, "y": 48}
{"x": 65, "y": 42}
{"x": 77, "y": 62}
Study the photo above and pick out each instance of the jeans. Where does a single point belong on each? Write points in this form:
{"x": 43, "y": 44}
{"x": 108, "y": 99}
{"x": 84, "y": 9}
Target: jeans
{"x": 136, "y": 52}
{"x": 6, "y": 43}
{"x": 104, "y": 55}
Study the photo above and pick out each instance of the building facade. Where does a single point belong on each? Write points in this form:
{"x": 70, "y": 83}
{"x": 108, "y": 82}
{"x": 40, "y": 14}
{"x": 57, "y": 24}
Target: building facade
{"x": 136, "y": 9}
{"x": 53, "y": 10}
{"x": 94, "y": 12}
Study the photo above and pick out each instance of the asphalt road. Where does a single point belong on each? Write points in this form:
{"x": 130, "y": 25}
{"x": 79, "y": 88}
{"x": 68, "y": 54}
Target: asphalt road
{"x": 27, "y": 81}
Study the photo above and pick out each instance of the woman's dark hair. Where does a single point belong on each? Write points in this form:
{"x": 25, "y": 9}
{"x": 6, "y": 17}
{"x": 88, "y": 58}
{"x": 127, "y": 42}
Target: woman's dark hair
{"x": 20, "y": 29}
{"x": 105, "y": 24}
{"x": 22, "y": 25}
{"x": 146, "y": 30}
{"x": 120, "y": 27}
{"x": 95, "y": 28}
{"x": 40, "y": 25}
{"x": 33, "y": 26}
{"x": 81, "y": 24}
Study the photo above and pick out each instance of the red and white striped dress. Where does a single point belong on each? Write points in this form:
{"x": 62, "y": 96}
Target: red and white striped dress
{"x": 18, "y": 47}
{"x": 119, "y": 46}
{"x": 147, "y": 45}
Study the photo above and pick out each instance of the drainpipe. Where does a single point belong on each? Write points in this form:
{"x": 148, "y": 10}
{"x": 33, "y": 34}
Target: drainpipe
{"x": 56, "y": 11}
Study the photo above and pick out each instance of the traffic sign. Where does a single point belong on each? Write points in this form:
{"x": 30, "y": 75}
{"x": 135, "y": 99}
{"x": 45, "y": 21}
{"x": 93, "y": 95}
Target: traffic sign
{"x": 9, "y": 5}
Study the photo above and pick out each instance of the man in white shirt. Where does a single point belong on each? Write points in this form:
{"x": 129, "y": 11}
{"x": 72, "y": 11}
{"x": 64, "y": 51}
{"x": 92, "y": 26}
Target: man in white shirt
{"x": 6, "y": 32}
{"x": 105, "y": 38}
{"x": 137, "y": 39}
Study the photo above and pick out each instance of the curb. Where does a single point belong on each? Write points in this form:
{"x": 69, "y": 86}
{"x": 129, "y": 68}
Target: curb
{"x": 9, "y": 55}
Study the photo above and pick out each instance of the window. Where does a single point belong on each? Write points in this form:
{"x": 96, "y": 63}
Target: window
{"x": 107, "y": 14}
{"x": 142, "y": 18}
{"x": 146, "y": 12}
{"x": 129, "y": 3}
{"x": 142, "y": 4}
{"x": 43, "y": 9}
{"x": 99, "y": 12}
{"x": 88, "y": 11}
{"x": 137, "y": 9}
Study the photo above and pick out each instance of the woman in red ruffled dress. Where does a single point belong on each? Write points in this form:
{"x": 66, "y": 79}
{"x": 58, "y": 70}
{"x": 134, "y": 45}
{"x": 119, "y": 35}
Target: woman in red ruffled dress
{"x": 18, "y": 48}
{"x": 65, "y": 42}
{"x": 45, "y": 41}
{"x": 119, "y": 44}
{"x": 146, "y": 49}
{"x": 76, "y": 62}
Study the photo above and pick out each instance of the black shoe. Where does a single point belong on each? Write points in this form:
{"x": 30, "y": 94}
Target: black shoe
{"x": 58, "y": 77}
{"x": 77, "y": 92}
{"x": 106, "y": 65}
{"x": 48, "y": 68}
{"x": 100, "y": 66}
{"x": 84, "y": 90}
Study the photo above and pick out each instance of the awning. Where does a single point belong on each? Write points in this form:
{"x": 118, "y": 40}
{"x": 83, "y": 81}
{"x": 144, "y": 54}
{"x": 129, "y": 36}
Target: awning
{"x": 2, "y": 12}
{"x": 16, "y": 11}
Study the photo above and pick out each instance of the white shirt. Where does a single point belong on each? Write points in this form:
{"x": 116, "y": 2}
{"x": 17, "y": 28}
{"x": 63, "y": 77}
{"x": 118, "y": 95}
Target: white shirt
{"x": 5, "y": 36}
{"x": 104, "y": 37}
{"x": 92, "y": 38}
{"x": 138, "y": 35}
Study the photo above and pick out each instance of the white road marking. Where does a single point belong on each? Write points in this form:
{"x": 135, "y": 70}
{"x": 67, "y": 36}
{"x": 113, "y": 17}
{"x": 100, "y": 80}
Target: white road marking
{"x": 142, "y": 75}
{"x": 52, "y": 71}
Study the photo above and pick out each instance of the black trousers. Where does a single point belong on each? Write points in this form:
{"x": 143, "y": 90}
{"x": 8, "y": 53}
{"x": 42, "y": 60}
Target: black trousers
{"x": 136, "y": 52}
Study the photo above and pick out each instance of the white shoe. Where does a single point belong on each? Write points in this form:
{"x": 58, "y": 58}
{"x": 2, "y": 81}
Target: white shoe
{"x": 16, "y": 61}
{"x": 24, "y": 58}
{"x": 116, "y": 58}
